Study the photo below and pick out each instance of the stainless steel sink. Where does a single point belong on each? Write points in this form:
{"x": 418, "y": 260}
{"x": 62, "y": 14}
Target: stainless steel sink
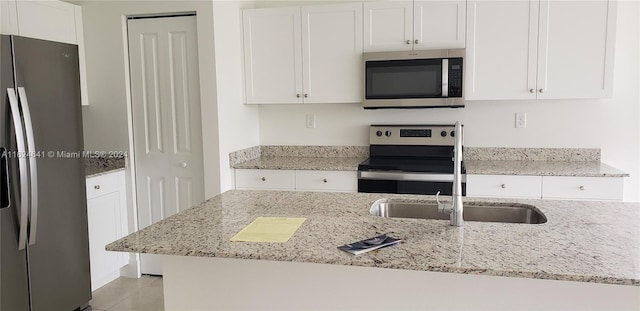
{"x": 473, "y": 211}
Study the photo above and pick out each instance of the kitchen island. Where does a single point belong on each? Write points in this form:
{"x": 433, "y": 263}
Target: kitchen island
{"x": 587, "y": 255}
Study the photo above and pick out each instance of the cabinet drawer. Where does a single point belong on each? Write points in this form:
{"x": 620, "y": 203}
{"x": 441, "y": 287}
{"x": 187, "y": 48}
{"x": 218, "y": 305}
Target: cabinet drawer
{"x": 504, "y": 186}
{"x": 265, "y": 179}
{"x": 103, "y": 184}
{"x": 327, "y": 180}
{"x": 592, "y": 188}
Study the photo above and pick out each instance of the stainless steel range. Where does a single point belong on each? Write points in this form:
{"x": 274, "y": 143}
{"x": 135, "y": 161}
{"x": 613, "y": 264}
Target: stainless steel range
{"x": 410, "y": 159}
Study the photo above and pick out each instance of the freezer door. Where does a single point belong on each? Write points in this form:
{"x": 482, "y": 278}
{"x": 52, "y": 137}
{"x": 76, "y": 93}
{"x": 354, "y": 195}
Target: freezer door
{"x": 14, "y": 291}
{"x": 58, "y": 259}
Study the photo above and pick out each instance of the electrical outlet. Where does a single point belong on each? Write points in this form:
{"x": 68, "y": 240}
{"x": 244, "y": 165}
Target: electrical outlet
{"x": 311, "y": 121}
{"x": 521, "y": 120}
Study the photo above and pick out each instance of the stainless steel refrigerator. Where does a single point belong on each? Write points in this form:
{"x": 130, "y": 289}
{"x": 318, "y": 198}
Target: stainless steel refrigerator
{"x": 44, "y": 259}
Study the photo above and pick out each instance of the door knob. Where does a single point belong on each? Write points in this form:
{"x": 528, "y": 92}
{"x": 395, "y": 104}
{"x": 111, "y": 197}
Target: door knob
{"x": 306, "y": 95}
{"x": 183, "y": 164}
{"x": 408, "y": 41}
{"x": 532, "y": 90}
{"x": 298, "y": 95}
{"x": 541, "y": 90}
{"x": 503, "y": 186}
{"x": 263, "y": 179}
{"x": 324, "y": 180}
{"x": 417, "y": 42}
{"x": 97, "y": 187}
{"x": 582, "y": 188}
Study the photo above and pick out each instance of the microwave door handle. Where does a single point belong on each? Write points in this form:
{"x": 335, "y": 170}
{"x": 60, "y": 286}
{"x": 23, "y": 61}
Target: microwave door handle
{"x": 22, "y": 163}
{"x": 445, "y": 77}
{"x": 33, "y": 167}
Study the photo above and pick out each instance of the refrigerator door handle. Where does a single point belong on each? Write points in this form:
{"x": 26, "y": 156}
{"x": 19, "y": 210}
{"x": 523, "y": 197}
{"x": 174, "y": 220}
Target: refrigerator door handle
{"x": 22, "y": 163}
{"x": 33, "y": 166}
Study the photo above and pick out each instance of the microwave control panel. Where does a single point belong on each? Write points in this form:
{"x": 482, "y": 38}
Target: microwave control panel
{"x": 455, "y": 77}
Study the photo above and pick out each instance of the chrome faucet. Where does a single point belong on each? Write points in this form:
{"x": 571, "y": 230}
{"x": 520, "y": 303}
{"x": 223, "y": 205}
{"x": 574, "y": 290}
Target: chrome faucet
{"x": 455, "y": 208}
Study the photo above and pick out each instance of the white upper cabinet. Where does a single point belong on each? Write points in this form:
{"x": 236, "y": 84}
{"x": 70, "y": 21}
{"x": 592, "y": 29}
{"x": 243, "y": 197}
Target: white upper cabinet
{"x": 332, "y": 53}
{"x": 576, "y": 49}
{"x": 272, "y": 56}
{"x": 439, "y": 24}
{"x": 388, "y": 26}
{"x": 303, "y": 54}
{"x": 47, "y": 20}
{"x": 414, "y": 25}
{"x": 502, "y": 44}
{"x": 539, "y": 49}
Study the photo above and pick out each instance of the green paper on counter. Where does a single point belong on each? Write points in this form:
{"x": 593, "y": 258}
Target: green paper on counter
{"x": 269, "y": 229}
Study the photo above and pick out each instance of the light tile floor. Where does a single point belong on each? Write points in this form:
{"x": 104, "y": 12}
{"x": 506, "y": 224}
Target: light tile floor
{"x": 129, "y": 294}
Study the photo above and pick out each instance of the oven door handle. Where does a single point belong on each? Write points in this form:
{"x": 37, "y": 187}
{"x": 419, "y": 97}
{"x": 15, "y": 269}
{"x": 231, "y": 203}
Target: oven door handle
{"x": 406, "y": 176}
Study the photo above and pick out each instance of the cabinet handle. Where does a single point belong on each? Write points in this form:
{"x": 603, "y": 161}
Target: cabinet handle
{"x": 306, "y": 95}
{"x": 263, "y": 179}
{"x": 532, "y": 90}
{"x": 541, "y": 90}
{"x": 581, "y": 188}
{"x": 503, "y": 186}
{"x": 417, "y": 42}
{"x": 97, "y": 187}
{"x": 324, "y": 180}
{"x": 408, "y": 41}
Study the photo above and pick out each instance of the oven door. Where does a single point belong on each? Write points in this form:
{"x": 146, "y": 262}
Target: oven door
{"x": 407, "y": 183}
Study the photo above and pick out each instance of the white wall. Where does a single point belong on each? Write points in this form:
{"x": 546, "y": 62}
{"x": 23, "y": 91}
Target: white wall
{"x": 105, "y": 120}
{"x": 612, "y": 124}
{"x": 238, "y": 123}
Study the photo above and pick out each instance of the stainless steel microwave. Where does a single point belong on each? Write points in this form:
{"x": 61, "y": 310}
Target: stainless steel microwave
{"x": 414, "y": 79}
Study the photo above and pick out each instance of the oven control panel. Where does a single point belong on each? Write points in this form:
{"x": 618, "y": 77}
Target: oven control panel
{"x": 420, "y": 135}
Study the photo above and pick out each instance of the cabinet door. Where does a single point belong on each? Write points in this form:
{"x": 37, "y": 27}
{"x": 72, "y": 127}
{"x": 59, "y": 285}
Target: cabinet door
{"x": 8, "y": 18}
{"x": 48, "y": 20}
{"x": 341, "y": 181}
{"x": 107, "y": 219}
{"x": 582, "y": 188}
{"x": 265, "y": 179}
{"x": 332, "y": 53}
{"x": 388, "y": 26}
{"x": 501, "y": 50}
{"x": 576, "y": 49}
{"x": 272, "y": 55}
{"x": 504, "y": 186}
{"x": 439, "y": 24}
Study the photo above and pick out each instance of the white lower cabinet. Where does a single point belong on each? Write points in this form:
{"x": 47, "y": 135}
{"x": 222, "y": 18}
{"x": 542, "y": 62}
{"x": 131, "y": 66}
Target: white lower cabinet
{"x": 504, "y": 186}
{"x": 345, "y": 181}
{"x": 265, "y": 179}
{"x": 302, "y": 180}
{"x": 582, "y": 188}
{"x": 107, "y": 215}
{"x": 545, "y": 187}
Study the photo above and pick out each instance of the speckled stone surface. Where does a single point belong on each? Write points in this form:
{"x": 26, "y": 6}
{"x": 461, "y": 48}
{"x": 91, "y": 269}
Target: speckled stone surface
{"x": 532, "y": 154}
{"x": 582, "y": 241}
{"x": 315, "y": 151}
{"x": 543, "y": 168}
{"x": 302, "y": 163}
{"x": 328, "y": 158}
{"x": 244, "y": 155}
{"x": 95, "y": 166}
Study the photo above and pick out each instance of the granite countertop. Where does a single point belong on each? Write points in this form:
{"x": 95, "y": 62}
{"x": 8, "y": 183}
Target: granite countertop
{"x": 582, "y": 241}
{"x": 302, "y": 163}
{"x": 96, "y": 166}
{"x": 542, "y": 168}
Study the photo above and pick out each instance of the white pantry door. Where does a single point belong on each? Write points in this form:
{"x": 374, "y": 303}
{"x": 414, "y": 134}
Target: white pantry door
{"x": 166, "y": 120}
